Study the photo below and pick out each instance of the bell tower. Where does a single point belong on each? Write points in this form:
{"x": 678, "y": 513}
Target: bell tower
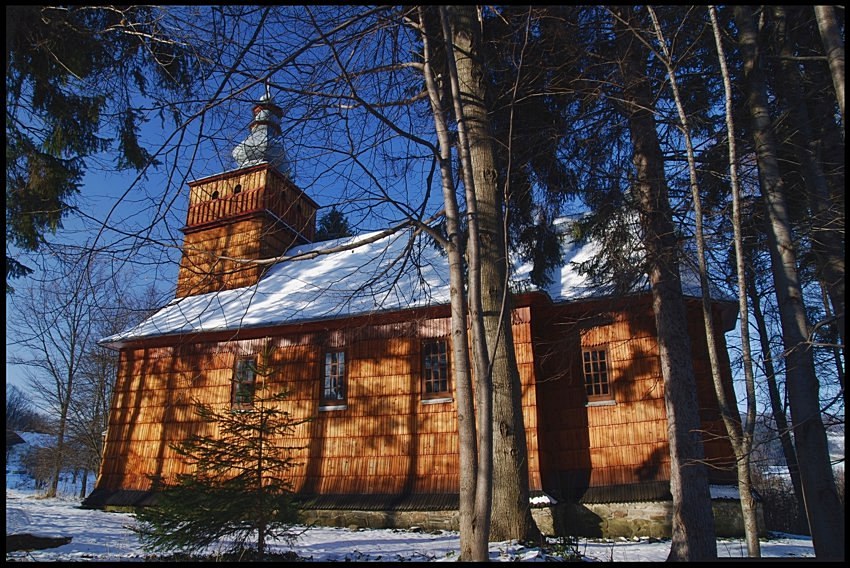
{"x": 254, "y": 212}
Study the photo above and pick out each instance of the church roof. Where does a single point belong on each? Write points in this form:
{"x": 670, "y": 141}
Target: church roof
{"x": 396, "y": 272}
{"x": 375, "y": 277}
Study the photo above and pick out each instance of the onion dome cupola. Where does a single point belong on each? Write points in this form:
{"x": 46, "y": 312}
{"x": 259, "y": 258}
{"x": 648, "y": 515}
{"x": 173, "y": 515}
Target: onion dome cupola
{"x": 239, "y": 219}
{"x": 265, "y": 143}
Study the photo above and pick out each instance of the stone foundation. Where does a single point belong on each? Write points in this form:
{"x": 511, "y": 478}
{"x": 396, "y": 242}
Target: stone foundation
{"x": 610, "y": 520}
{"x": 645, "y": 519}
{"x": 354, "y": 519}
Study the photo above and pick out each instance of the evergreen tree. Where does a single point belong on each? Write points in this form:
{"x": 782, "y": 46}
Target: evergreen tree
{"x": 333, "y": 225}
{"x": 238, "y": 486}
{"x": 71, "y": 73}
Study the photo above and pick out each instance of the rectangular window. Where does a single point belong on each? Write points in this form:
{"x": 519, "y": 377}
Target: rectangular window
{"x": 596, "y": 383}
{"x": 244, "y": 378}
{"x": 333, "y": 389}
{"x": 435, "y": 369}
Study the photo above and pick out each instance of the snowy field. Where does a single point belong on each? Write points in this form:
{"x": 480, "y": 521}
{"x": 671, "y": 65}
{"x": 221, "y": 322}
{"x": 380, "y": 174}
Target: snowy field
{"x": 99, "y": 536}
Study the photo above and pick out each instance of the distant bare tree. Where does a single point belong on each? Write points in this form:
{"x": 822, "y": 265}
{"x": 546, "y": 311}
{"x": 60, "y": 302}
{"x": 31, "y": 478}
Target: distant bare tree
{"x": 18, "y": 408}
{"x": 55, "y": 323}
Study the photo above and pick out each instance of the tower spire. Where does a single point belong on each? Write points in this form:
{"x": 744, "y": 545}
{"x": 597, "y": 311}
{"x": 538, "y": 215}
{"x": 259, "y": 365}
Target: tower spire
{"x": 264, "y": 144}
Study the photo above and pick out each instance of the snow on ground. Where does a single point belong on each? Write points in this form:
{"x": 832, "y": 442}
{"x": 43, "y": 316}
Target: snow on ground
{"x": 105, "y": 537}
{"x": 99, "y": 536}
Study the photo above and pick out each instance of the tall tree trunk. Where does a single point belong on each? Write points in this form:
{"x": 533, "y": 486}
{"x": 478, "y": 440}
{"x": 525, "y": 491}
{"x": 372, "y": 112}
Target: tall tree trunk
{"x": 827, "y": 236}
{"x": 474, "y": 520}
{"x": 511, "y": 512}
{"x": 84, "y": 484}
{"x": 837, "y": 350}
{"x": 740, "y": 436}
{"x": 834, "y": 46}
{"x": 480, "y": 341}
{"x": 693, "y": 521}
{"x": 823, "y": 508}
{"x": 776, "y": 405}
{"x": 64, "y": 399}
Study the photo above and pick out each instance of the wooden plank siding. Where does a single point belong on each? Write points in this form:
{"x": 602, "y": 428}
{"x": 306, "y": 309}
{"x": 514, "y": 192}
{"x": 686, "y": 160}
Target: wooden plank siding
{"x": 263, "y": 219}
{"x": 589, "y": 445}
{"x": 385, "y": 440}
{"x": 261, "y": 187}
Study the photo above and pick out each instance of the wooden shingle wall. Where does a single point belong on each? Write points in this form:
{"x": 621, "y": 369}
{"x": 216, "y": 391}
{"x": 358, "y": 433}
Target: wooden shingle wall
{"x": 265, "y": 217}
{"x": 610, "y": 443}
{"x": 385, "y": 441}
{"x": 522, "y": 332}
{"x": 718, "y": 450}
{"x": 203, "y": 269}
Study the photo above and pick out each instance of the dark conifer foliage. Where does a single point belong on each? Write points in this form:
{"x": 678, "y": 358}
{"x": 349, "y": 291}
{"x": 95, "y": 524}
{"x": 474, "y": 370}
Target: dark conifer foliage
{"x": 239, "y": 488}
{"x": 71, "y": 72}
{"x": 333, "y": 225}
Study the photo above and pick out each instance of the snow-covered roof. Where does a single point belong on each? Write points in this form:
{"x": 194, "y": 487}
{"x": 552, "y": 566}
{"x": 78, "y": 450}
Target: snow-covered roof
{"x": 399, "y": 271}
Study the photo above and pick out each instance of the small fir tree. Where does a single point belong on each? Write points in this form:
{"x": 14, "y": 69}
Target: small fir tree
{"x": 333, "y": 225}
{"x": 238, "y": 487}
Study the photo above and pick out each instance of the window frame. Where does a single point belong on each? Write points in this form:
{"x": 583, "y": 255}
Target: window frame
{"x": 333, "y": 403}
{"x": 238, "y": 382}
{"x": 426, "y": 379}
{"x": 594, "y": 378}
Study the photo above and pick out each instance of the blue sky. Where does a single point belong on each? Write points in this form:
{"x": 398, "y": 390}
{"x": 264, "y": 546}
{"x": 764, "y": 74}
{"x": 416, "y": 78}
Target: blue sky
{"x": 114, "y": 209}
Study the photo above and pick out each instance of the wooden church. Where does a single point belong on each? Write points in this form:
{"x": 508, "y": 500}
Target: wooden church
{"x": 359, "y": 339}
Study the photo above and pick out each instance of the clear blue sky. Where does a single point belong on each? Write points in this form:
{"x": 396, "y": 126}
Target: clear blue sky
{"x": 154, "y": 205}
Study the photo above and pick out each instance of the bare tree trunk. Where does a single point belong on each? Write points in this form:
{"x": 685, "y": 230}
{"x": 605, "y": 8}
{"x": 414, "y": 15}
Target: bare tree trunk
{"x": 84, "y": 483}
{"x": 693, "y": 521}
{"x": 480, "y": 340}
{"x": 776, "y": 405}
{"x": 511, "y": 510}
{"x": 834, "y": 46}
{"x": 741, "y": 436}
{"x": 823, "y": 508}
{"x": 59, "y": 455}
{"x": 837, "y": 351}
{"x": 474, "y": 523}
{"x": 827, "y": 228}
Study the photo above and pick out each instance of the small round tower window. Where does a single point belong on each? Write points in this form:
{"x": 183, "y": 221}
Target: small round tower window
{"x": 215, "y": 194}
{"x": 237, "y": 189}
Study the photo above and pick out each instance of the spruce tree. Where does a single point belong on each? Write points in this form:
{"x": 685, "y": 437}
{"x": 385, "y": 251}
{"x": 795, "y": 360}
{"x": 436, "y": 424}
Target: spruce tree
{"x": 237, "y": 488}
{"x": 77, "y": 81}
{"x": 333, "y": 225}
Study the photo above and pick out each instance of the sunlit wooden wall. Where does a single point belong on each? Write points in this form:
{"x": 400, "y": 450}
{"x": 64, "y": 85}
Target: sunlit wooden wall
{"x": 624, "y": 442}
{"x": 386, "y": 440}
